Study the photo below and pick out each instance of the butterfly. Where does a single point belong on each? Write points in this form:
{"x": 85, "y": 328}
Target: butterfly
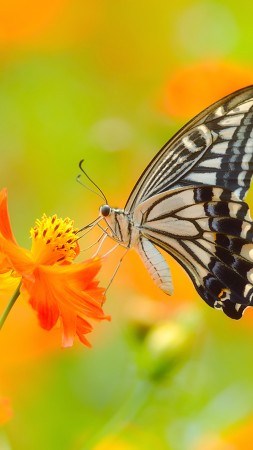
{"x": 189, "y": 202}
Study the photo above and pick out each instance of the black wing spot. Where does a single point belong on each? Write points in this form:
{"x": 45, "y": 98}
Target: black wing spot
{"x": 230, "y": 278}
{"x": 233, "y": 310}
{"x": 203, "y": 194}
{"x": 226, "y": 225}
{"x": 216, "y": 209}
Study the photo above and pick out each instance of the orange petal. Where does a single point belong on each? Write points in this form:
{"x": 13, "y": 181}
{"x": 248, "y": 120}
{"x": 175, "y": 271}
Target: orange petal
{"x": 41, "y": 297}
{"x": 5, "y": 226}
{"x": 92, "y": 267}
{"x": 12, "y": 256}
{"x": 5, "y": 265}
{"x": 68, "y": 319}
{"x": 8, "y": 284}
{"x": 61, "y": 291}
{"x": 83, "y": 327}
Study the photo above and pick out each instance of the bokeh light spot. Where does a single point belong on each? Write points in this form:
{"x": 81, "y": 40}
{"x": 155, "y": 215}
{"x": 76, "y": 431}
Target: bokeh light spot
{"x": 111, "y": 134}
{"x": 206, "y": 28}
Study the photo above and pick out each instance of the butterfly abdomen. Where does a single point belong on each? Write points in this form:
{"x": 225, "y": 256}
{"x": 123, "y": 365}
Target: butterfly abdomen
{"x": 155, "y": 264}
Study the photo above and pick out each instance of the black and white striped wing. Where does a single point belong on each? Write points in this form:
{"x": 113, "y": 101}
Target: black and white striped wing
{"x": 214, "y": 148}
{"x": 208, "y": 230}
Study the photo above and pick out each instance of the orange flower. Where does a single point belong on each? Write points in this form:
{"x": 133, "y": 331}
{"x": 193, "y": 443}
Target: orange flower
{"x": 55, "y": 288}
{"x": 192, "y": 88}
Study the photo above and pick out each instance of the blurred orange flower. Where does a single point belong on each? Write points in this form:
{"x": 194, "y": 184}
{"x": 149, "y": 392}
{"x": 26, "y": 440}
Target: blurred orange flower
{"x": 54, "y": 287}
{"x": 5, "y": 410}
{"x": 25, "y": 20}
{"x": 237, "y": 437}
{"x": 240, "y": 437}
{"x": 192, "y": 88}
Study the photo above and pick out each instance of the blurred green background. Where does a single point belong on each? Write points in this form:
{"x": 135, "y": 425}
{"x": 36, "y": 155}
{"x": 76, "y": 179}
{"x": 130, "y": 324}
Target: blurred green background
{"x": 110, "y": 81}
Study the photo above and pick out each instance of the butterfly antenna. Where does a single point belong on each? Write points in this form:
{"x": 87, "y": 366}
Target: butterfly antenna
{"x": 100, "y": 193}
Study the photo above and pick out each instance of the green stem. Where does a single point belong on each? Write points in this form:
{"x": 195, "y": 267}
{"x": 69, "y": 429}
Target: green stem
{"x": 124, "y": 415}
{"x": 9, "y": 306}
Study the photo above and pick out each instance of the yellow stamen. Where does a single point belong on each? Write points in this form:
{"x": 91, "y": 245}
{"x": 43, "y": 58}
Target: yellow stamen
{"x": 53, "y": 240}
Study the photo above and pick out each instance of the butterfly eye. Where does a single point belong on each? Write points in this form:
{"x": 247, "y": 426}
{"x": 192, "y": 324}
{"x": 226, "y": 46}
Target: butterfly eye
{"x": 105, "y": 210}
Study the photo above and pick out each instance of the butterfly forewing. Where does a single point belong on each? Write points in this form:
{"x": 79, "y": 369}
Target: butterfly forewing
{"x": 215, "y": 148}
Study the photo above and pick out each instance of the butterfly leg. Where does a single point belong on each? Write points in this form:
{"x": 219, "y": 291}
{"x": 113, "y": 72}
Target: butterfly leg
{"x": 117, "y": 268}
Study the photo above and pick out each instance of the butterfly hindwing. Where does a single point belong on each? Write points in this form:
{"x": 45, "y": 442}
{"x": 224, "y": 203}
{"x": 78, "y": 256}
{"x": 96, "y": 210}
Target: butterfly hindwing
{"x": 208, "y": 230}
{"x": 215, "y": 148}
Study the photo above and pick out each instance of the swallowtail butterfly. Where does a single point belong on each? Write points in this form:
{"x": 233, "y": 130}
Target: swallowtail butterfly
{"x": 189, "y": 202}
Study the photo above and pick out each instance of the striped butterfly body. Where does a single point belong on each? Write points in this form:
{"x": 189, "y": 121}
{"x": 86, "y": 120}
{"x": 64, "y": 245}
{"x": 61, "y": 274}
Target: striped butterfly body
{"x": 189, "y": 202}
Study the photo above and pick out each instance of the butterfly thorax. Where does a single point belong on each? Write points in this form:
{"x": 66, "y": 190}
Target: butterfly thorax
{"x": 120, "y": 225}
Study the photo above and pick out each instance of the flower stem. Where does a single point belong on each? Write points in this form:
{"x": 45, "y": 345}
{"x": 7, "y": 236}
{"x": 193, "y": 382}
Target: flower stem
{"x": 9, "y": 306}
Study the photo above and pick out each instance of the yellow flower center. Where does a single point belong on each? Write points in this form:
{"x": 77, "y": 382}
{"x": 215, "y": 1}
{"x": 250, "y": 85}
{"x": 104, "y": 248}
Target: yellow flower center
{"x": 53, "y": 240}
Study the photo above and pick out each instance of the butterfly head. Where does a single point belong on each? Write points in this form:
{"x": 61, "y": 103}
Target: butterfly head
{"x": 118, "y": 224}
{"x": 105, "y": 210}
